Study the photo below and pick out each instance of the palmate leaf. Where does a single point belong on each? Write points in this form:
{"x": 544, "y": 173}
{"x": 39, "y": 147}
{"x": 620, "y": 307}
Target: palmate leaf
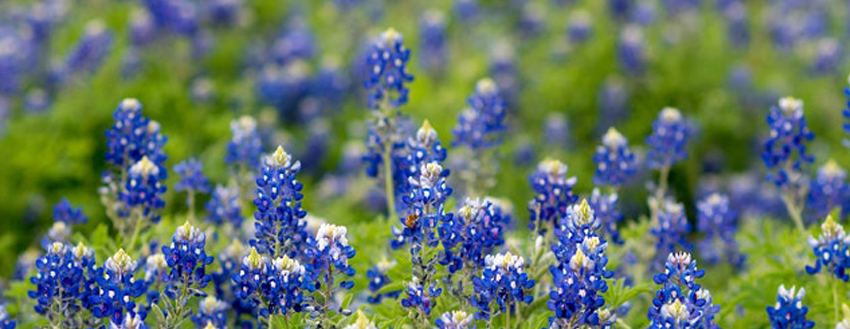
{"x": 618, "y": 293}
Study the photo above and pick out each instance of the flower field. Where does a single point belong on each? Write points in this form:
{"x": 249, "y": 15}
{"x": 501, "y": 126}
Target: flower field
{"x": 450, "y": 164}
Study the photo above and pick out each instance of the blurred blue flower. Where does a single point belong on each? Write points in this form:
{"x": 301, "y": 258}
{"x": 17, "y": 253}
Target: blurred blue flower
{"x": 553, "y": 194}
{"x": 719, "y": 223}
{"x": 211, "y": 310}
{"x": 632, "y": 54}
{"x": 378, "y": 278}
{"x": 607, "y": 212}
{"x": 580, "y": 27}
{"x": 245, "y": 147}
{"x": 789, "y": 312}
{"x": 224, "y": 206}
{"x": 90, "y": 51}
{"x": 785, "y": 151}
{"x": 65, "y": 212}
{"x": 433, "y": 41}
{"x": 6, "y": 321}
{"x": 615, "y": 162}
{"x": 191, "y": 177}
{"x": 671, "y": 231}
{"x": 669, "y": 139}
{"x": 827, "y": 191}
{"x": 482, "y": 125}
{"x": 388, "y": 70}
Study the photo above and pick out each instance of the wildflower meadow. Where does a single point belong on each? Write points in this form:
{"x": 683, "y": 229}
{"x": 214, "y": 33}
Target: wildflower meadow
{"x": 420, "y": 164}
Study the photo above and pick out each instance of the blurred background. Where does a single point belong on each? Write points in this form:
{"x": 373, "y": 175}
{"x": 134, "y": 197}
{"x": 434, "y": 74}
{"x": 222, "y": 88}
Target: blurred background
{"x": 569, "y": 69}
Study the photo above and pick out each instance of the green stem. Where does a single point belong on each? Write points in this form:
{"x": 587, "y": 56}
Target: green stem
{"x": 191, "y": 204}
{"x": 271, "y": 321}
{"x": 137, "y": 214}
{"x": 508, "y": 315}
{"x": 388, "y": 166}
{"x": 794, "y": 211}
{"x": 623, "y": 324}
{"x": 835, "y": 297}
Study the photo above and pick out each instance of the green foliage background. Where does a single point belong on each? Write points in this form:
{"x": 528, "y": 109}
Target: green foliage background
{"x": 59, "y": 153}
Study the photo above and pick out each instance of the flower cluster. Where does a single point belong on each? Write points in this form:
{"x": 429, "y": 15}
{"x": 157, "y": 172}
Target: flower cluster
{"x": 668, "y": 141}
{"x": 378, "y": 278}
{"x": 387, "y": 62}
{"x": 245, "y": 146}
{"x": 579, "y": 275}
{"x": 719, "y": 223}
{"x": 421, "y": 297}
{"x": 671, "y": 231}
{"x": 6, "y": 322}
{"x": 330, "y": 251}
{"x": 425, "y": 191}
{"x": 187, "y": 259}
{"x": 224, "y": 207}
{"x": 272, "y": 287}
{"x": 789, "y": 311}
{"x": 63, "y": 279}
{"x": 615, "y": 162}
{"x": 827, "y": 191}
{"x": 211, "y": 311}
{"x": 785, "y": 150}
{"x": 117, "y": 290}
{"x": 455, "y": 320}
{"x": 144, "y": 189}
{"x": 133, "y": 137}
{"x": 65, "y": 212}
{"x": 553, "y": 194}
{"x": 605, "y": 208}
{"x": 832, "y": 250}
{"x": 280, "y": 227}
{"x": 503, "y": 282}
{"x": 475, "y": 231}
{"x": 191, "y": 177}
{"x": 681, "y": 302}
{"x": 482, "y": 124}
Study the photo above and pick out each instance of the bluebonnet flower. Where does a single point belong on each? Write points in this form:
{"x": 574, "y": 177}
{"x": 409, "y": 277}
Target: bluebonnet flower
{"x": 420, "y": 297}
{"x": 131, "y": 320}
{"x": 845, "y": 112}
{"x": 466, "y": 10}
{"x": 482, "y": 125}
{"x": 615, "y": 162}
{"x": 36, "y": 101}
{"x": 387, "y": 64}
{"x": 455, "y": 320}
{"x": 475, "y": 231}
{"x": 719, "y": 223}
{"x": 378, "y": 278}
{"x": 556, "y": 128}
{"x": 607, "y": 212}
{"x": 362, "y": 322}
{"x": 789, "y": 312}
{"x": 65, "y": 212}
{"x": 425, "y": 203}
{"x": 90, "y": 51}
{"x": 284, "y": 85}
{"x": 668, "y": 141}
{"x": 553, "y": 194}
{"x": 272, "y": 287}
{"x": 144, "y": 189}
{"x": 63, "y": 280}
{"x": 211, "y": 311}
{"x": 6, "y": 322}
{"x": 26, "y": 262}
{"x": 671, "y": 231}
{"x": 785, "y": 151}
{"x": 245, "y": 146}
{"x": 59, "y": 232}
{"x": 156, "y": 273}
{"x": 142, "y": 28}
{"x": 828, "y": 56}
{"x": 681, "y": 302}
{"x": 224, "y": 12}
{"x": 737, "y": 23}
{"x": 432, "y": 36}
{"x": 329, "y": 252}
{"x": 280, "y": 225}
{"x": 224, "y": 207}
{"x": 580, "y": 273}
{"x": 294, "y": 43}
{"x": 133, "y": 137}
{"x": 503, "y": 70}
{"x": 831, "y": 250}
{"x": 631, "y": 50}
{"x": 828, "y": 190}
{"x": 503, "y": 282}
{"x": 191, "y": 177}
{"x": 580, "y": 27}
{"x": 117, "y": 290}
{"x": 612, "y": 102}
{"x": 187, "y": 259}
{"x": 619, "y": 9}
